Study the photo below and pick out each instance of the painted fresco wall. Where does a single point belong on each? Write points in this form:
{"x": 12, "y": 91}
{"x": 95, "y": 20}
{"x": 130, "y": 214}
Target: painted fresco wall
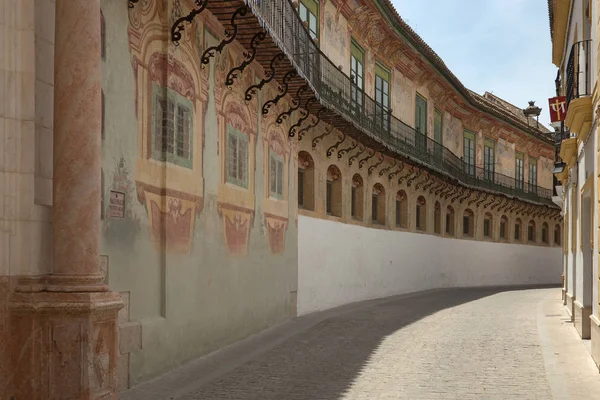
{"x": 359, "y": 263}
{"x": 201, "y": 250}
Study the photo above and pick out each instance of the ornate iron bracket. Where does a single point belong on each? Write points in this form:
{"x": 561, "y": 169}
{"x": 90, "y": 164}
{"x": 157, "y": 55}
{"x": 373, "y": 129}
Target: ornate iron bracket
{"x": 377, "y": 164}
{"x": 419, "y": 184}
{"x": 489, "y": 203}
{"x": 436, "y": 185}
{"x": 295, "y": 105}
{"x": 459, "y": 193}
{"x": 432, "y": 182}
{"x": 475, "y": 199}
{"x": 402, "y": 178}
{"x": 179, "y": 26}
{"x": 386, "y": 169}
{"x": 499, "y": 205}
{"x": 229, "y": 36}
{"x": 485, "y": 196}
{"x": 446, "y": 192}
{"x": 412, "y": 179}
{"x": 393, "y": 174}
{"x": 367, "y": 158}
{"x": 304, "y": 117}
{"x": 348, "y": 149}
{"x": 442, "y": 188}
{"x": 316, "y": 140}
{"x": 336, "y": 144}
{"x": 235, "y": 72}
{"x": 354, "y": 157}
{"x": 466, "y": 196}
{"x": 283, "y": 90}
{"x": 269, "y": 76}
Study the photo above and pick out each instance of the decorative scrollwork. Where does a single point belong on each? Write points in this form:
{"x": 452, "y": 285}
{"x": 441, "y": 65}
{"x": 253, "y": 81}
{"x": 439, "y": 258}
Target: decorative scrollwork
{"x": 466, "y": 196}
{"x": 416, "y": 176}
{"x": 283, "y": 90}
{"x": 429, "y": 184}
{"x": 393, "y": 174}
{"x": 179, "y": 26}
{"x": 315, "y": 122}
{"x": 476, "y": 198}
{"x": 269, "y": 76}
{"x": 485, "y": 196}
{"x": 419, "y": 184}
{"x": 336, "y": 144}
{"x": 367, "y": 158}
{"x": 458, "y": 193}
{"x": 295, "y": 105}
{"x": 132, "y": 3}
{"x": 438, "y": 185}
{"x": 499, "y": 204}
{"x": 316, "y": 140}
{"x": 229, "y": 36}
{"x": 354, "y": 157}
{"x": 402, "y": 178}
{"x": 386, "y": 169}
{"x": 377, "y": 164}
{"x": 347, "y": 149}
{"x": 489, "y": 203}
{"x": 248, "y": 58}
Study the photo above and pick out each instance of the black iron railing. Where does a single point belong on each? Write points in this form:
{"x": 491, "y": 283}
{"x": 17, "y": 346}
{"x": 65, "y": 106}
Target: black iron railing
{"x": 336, "y": 90}
{"x": 579, "y": 68}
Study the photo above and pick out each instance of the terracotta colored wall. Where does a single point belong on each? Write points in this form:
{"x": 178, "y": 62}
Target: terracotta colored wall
{"x": 200, "y": 262}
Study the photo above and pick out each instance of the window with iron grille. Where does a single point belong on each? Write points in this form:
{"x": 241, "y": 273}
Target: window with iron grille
{"x": 469, "y": 152}
{"x": 309, "y": 13}
{"x": 488, "y": 160}
{"x": 519, "y": 173}
{"x": 237, "y": 157}
{"x": 171, "y": 127}
{"x": 532, "y": 175}
{"x": 357, "y": 60}
{"x": 382, "y": 96}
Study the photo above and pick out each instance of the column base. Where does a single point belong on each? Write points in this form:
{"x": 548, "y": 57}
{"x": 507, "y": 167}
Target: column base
{"x": 595, "y": 334}
{"x": 581, "y": 319}
{"x": 569, "y": 305}
{"x": 62, "y": 345}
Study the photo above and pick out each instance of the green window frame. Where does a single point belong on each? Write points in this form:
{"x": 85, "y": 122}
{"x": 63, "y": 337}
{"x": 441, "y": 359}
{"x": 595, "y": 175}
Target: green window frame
{"x": 276, "y": 175}
{"x": 533, "y": 171}
{"x": 237, "y": 157}
{"x": 357, "y": 72}
{"x": 309, "y": 12}
{"x": 438, "y": 127}
{"x": 519, "y": 172}
{"x": 469, "y": 152}
{"x": 172, "y": 127}
{"x": 489, "y": 159}
{"x": 382, "y": 95}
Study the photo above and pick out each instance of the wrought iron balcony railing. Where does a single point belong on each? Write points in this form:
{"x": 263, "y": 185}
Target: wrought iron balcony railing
{"x": 579, "y": 68}
{"x": 335, "y": 90}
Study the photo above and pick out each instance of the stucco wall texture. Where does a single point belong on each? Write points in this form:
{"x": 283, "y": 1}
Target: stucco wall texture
{"x": 342, "y": 263}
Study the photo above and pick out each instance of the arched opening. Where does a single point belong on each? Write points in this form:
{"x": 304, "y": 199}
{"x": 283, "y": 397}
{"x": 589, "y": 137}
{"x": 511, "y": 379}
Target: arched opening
{"x": 468, "y": 223}
{"x": 504, "y": 228}
{"x": 334, "y": 191}
{"x": 401, "y": 209}
{"x": 488, "y": 225}
{"x": 306, "y": 181}
{"x": 421, "y": 214}
{"x": 557, "y": 240}
{"x": 450, "y": 221}
{"x": 545, "y": 234}
{"x": 531, "y": 232}
{"x": 378, "y": 204}
{"x": 518, "y": 228}
{"x": 437, "y": 218}
{"x": 357, "y": 200}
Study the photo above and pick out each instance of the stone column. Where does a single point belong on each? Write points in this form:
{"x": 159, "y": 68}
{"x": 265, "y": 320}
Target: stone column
{"x": 77, "y": 146}
{"x": 63, "y": 326}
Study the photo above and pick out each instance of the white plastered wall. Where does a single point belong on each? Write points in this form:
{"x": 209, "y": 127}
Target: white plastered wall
{"x": 343, "y": 263}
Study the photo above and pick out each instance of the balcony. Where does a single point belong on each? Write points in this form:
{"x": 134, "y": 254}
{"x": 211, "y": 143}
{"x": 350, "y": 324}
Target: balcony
{"x": 323, "y": 90}
{"x": 579, "y": 90}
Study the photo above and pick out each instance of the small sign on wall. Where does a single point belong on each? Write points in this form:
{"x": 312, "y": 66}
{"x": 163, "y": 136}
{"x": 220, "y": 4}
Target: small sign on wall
{"x": 116, "y": 205}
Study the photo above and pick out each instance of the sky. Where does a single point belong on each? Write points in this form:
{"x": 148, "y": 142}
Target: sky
{"x": 499, "y": 46}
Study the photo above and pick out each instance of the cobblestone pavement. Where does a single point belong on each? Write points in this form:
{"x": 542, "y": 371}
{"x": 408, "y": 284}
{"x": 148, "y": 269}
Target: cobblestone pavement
{"x": 451, "y": 344}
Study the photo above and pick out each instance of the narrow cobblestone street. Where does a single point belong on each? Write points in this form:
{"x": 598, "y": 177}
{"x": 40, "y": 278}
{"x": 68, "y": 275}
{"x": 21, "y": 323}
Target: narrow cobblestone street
{"x": 447, "y": 344}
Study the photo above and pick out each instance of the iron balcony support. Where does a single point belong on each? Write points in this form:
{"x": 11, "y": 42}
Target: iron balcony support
{"x": 316, "y": 140}
{"x": 283, "y": 90}
{"x": 354, "y": 157}
{"x": 362, "y": 162}
{"x": 347, "y": 149}
{"x": 248, "y": 58}
{"x": 294, "y": 106}
{"x": 386, "y": 169}
{"x": 336, "y": 144}
{"x": 377, "y": 164}
{"x": 393, "y": 174}
{"x": 269, "y": 76}
{"x": 412, "y": 179}
{"x": 314, "y": 123}
{"x": 230, "y": 36}
{"x": 179, "y": 25}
